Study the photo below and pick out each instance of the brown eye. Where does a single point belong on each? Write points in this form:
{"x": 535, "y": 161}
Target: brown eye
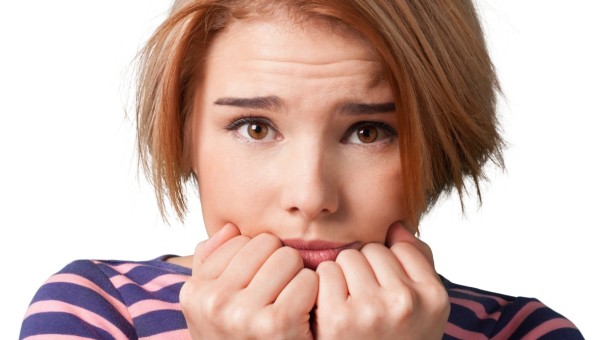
{"x": 367, "y": 134}
{"x": 257, "y": 130}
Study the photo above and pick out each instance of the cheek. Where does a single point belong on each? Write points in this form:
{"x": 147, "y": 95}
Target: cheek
{"x": 233, "y": 188}
{"x": 377, "y": 200}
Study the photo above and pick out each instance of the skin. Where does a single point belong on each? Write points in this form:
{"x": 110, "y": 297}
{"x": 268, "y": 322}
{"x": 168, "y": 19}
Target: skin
{"x": 303, "y": 183}
{"x": 302, "y": 168}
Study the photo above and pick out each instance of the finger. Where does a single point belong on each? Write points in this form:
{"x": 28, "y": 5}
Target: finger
{"x": 279, "y": 269}
{"x": 332, "y": 285}
{"x": 216, "y": 263}
{"x": 357, "y": 271}
{"x": 300, "y": 294}
{"x": 386, "y": 267}
{"x": 415, "y": 264}
{"x": 227, "y": 232}
{"x": 399, "y": 233}
{"x": 249, "y": 259}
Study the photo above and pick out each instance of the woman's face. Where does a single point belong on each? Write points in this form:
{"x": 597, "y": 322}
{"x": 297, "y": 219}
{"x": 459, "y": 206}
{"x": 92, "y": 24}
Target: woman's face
{"x": 294, "y": 134}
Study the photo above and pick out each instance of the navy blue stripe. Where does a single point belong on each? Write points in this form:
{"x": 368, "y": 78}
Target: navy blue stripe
{"x": 144, "y": 274}
{"x": 135, "y": 293}
{"x": 490, "y": 304}
{"x": 61, "y": 323}
{"x": 510, "y": 312}
{"x": 82, "y": 297}
{"x": 467, "y": 319}
{"x": 533, "y": 320}
{"x": 563, "y": 334}
{"x": 108, "y": 270}
{"x": 145, "y": 271}
{"x": 90, "y": 271}
{"x": 159, "y": 321}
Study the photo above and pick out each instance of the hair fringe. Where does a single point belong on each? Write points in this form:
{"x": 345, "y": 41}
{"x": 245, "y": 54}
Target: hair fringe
{"x": 435, "y": 58}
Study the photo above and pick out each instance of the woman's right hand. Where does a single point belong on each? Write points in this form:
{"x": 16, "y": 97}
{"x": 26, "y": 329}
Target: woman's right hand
{"x": 244, "y": 287}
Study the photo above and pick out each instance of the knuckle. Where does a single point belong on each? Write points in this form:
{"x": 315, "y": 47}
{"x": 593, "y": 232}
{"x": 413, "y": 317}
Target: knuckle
{"x": 403, "y": 304}
{"x": 237, "y": 317}
{"x": 199, "y": 247}
{"x": 213, "y": 304}
{"x": 371, "y": 315}
{"x": 272, "y": 324}
{"x": 337, "y": 323}
{"x": 426, "y": 250}
{"x": 439, "y": 298}
{"x": 187, "y": 294}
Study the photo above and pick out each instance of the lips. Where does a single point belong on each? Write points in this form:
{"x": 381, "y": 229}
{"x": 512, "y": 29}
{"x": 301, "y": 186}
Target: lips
{"x": 316, "y": 252}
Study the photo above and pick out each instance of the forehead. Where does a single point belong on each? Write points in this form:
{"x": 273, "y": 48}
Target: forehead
{"x": 280, "y": 40}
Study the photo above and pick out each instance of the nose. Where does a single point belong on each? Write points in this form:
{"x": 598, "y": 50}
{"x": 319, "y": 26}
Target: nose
{"x": 310, "y": 180}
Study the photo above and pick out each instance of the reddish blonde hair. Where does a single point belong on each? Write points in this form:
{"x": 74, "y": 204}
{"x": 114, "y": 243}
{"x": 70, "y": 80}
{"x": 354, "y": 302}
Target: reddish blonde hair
{"x": 434, "y": 55}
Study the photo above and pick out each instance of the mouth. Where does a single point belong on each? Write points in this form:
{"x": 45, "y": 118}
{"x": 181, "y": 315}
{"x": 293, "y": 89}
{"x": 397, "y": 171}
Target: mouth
{"x": 316, "y": 252}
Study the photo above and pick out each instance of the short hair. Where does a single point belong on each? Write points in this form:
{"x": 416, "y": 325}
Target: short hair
{"x": 434, "y": 56}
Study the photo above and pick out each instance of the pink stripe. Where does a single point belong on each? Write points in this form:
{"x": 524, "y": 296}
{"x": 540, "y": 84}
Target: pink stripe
{"x": 146, "y": 306}
{"x": 500, "y": 300}
{"x": 180, "y": 334}
{"x": 79, "y": 280}
{"x": 518, "y": 319}
{"x": 549, "y": 326}
{"x": 477, "y": 308}
{"x": 457, "y": 332}
{"x": 81, "y": 313}
{"x": 152, "y": 286}
{"x": 121, "y": 268}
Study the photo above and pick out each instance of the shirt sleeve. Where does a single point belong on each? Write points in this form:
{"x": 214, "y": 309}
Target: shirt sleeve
{"x": 480, "y": 314}
{"x": 78, "y": 301}
{"x": 528, "y": 318}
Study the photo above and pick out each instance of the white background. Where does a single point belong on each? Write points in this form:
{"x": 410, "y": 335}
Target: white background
{"x": 68, "y": 172}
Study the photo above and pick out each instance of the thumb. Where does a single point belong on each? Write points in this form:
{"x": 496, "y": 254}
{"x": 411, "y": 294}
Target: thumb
{"x": 207, "y": 247}
{"x": 399, "y": 233}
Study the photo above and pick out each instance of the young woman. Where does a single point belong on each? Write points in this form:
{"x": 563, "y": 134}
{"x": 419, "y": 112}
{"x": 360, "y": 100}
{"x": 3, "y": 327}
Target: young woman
{"x": 319, "y": 133}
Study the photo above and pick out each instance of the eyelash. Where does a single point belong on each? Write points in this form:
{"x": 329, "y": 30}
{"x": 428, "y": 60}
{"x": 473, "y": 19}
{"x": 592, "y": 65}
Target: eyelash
{"x": 386, "y": 128}
{"x": 237, "y": 123}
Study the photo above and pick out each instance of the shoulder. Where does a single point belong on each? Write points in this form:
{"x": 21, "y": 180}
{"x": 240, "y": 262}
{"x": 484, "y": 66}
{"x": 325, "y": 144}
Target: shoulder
{"x": 480, "y": 314}
{"x": 108, "y": 299}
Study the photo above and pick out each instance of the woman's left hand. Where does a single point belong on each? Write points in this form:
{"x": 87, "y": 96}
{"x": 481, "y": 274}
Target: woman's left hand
{"x": 382, "y": 293}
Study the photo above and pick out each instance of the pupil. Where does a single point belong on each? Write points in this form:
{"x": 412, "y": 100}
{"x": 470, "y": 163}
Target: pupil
{"x": 257, "y": 131}
{"x": 367, "y": 134}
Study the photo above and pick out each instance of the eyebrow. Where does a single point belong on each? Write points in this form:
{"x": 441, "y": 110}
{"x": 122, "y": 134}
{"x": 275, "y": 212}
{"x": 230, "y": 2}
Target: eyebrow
{"x": 262, "y": 103}
{"x": 276, "y": 103}
{"x": 362, "y": 108}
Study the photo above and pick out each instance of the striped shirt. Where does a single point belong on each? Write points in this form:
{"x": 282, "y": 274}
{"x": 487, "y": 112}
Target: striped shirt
{"x": 139, "y": 300}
